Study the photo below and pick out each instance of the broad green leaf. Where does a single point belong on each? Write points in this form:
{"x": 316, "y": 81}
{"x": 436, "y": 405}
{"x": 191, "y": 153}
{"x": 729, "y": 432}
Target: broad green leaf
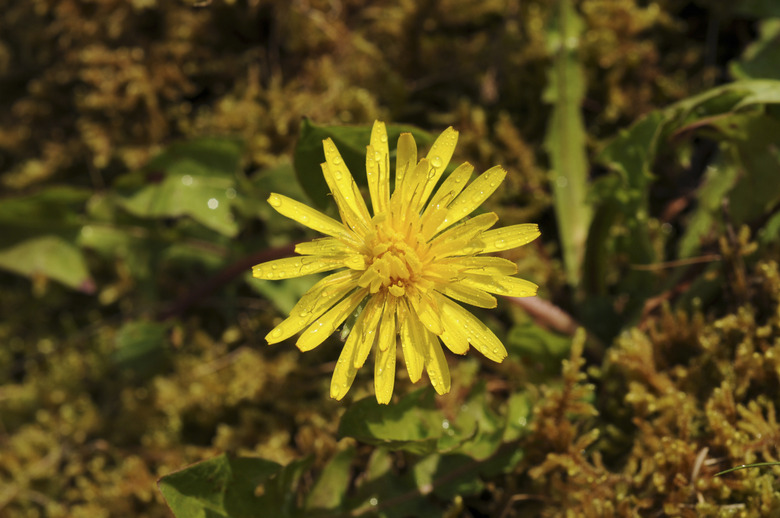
{"x": 518, "y": 416}
{"x": 279, "y": 498}
{"x": 448, "y": 476}
{"x": 140, "y": 345}
{"x": 761, "y": 59}
{"x": 351, "y": 142}
{"x": 48, "y": 257}
{"x": 413, "y": 424}
{"x": 222, "y": 487}
{"x": 46, "y": 211}
{"x": 285, "y": 293}
{"x": 565, "y": 139}
{"x": 482, "y": 429}
{"x": 195, "y": 178}
{"x": 544, "y": 349}
{"x": 383, "y": 493}
{"x": 331, "y": 487}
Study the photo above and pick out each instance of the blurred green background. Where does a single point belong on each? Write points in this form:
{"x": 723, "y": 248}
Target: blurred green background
{"x": 138, "y": 143}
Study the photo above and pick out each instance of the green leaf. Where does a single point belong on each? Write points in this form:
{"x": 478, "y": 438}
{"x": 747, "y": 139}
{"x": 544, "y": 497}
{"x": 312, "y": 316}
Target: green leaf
{"x": 195, "y": 178}
{"x": 761, "y": 59}
{"x": 483, "y": 429}
{"x": 140, "y": 345}
{"x": 565, "y": 139}
{"x": 46, "y": 211}
{"x": 48, "y": 257}
{"x": 219, "y": 487}
{"x": 542, "y": 348}
{"x": 413, "y": 424}
{"x": 331, "y": 487}
{"x": 351, "y": 142}
{"x": 758, "y": 8}
{"x": 279, "y": 496}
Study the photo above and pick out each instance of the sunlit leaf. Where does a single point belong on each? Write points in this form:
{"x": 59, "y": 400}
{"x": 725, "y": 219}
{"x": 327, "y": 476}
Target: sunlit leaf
{"x": 48, "y": 257}
{"x": 219, "y": 487}
{"x": 413, "y": 424}
{"x": 195, "y": 178}
{"x": 565, "y": 139}
{"x": 331, "y": 487}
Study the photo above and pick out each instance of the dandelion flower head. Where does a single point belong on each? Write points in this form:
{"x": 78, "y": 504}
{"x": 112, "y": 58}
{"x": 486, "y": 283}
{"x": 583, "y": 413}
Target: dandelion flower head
{"x": 408, "y": 263}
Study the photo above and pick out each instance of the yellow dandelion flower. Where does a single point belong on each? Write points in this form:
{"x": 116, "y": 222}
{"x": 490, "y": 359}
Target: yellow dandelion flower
{"x": 409, "y": 262}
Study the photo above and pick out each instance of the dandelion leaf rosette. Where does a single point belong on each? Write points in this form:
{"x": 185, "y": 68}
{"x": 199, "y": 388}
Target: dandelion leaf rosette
{"x": 409, "y": 261}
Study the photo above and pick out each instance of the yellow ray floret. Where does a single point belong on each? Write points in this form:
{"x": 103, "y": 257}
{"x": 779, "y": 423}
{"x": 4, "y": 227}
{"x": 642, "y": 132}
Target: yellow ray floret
{"x": 404, "y": 267}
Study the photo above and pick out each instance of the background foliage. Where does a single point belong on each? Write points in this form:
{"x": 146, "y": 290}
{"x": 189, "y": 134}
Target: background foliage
{"x": 139, "y": 140}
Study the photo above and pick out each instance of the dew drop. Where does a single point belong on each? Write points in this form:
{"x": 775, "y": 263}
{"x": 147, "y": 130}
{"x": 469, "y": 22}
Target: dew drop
{"x": 276, "y": 333}
{"x": 373, "y": 501}
{"x": 337, "y": 160}
{"x": 337, "y": 174}
{"x": 436, "y": 161}
{"x": 499, "y": 243}
{"x": 377, "y": 156}
{"x": 213, "y": 203}
{"x": 383, "y": 138}
{"x": 230, "y": 193}
{"x": 275, "y": 200}
{"x": 186, "y": 179}
{"x": 445, "y": 424}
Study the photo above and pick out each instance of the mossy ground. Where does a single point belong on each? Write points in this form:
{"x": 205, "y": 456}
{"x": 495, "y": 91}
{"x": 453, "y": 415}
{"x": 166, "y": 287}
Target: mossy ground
{"x": 637, "y": 426}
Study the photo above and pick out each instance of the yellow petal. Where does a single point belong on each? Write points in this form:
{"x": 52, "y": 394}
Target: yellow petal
{"x": 377, "y": 168}
{"x": 427, "y": 311}
{"x": 384, "y": 373}
{"x": 305, "y": 215}
{"x": 470, "y": 295}
{"x": 509, "y": 237}
{"x": 483, "y": 265}
{"x": 387, "y": 327}
{"x": 439, "y": 156}
{"x": 406, "y": 157}
{"x": 453, "y": 184}
{"x": 472, "y": 196}
{"x": 324, "y": 326}
{"x": 413, "y": 186}
{"x": 501, "y": 285}
{"x": 455, "y": 241}
{"x": 345, "y": 202}
{"x": 345, "y": 371}
{"x": 436, "y": 365}
{"x": 326, "y": 246}
{"x": 320, "y": 297}
{"x": 413, "y": 336}
{"x": 455, "y": 317}
{"x": 366, "y": 328}
{"x": 340, "y": 179}
{"x": 294, "y": 267}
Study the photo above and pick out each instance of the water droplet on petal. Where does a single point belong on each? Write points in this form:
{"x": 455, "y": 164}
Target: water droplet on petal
{"x": 276, "y": 333}
{"x": 337, "y": 174}
{"x": 336, "y": 160}
{"x": 275, "y": 200}
{"x": 377, "y": 156}
{"x": 436, "y": 161}
{"x": 383, "y": 138}
{"x": 499, "y": 243}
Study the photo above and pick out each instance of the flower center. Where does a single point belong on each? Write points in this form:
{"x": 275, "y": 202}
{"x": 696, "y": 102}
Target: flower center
{"x": 395, "y": 263}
